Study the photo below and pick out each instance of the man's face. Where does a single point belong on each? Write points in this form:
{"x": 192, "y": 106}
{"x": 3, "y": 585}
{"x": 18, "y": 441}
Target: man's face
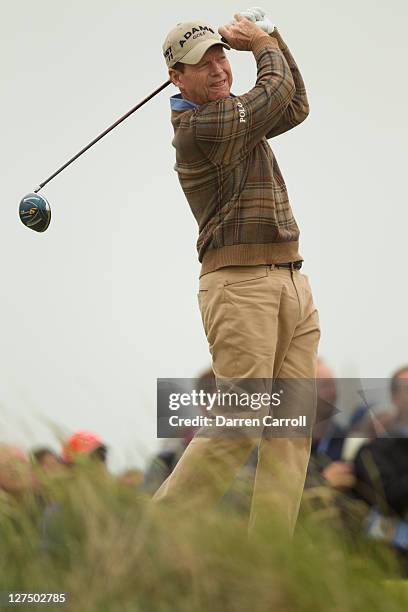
{"x": 49, "y": 462}
{"x": 206, "y": 81}
{"x": 400, "y": 395}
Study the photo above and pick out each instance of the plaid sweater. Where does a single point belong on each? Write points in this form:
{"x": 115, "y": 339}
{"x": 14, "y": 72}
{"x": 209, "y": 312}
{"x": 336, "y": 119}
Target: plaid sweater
{"x": 228, "y": 171}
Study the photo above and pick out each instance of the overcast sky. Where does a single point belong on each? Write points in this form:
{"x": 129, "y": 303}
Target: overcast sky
{"x": 104, "y": 302}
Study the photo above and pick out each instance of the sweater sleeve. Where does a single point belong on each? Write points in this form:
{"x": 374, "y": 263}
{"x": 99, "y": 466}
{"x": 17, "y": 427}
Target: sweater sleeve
{"x": 228, "y": 128}
{"x": 298, "y": 108}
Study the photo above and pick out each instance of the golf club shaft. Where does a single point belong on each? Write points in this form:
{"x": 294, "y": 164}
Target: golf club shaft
{"x": 132, "y": 110}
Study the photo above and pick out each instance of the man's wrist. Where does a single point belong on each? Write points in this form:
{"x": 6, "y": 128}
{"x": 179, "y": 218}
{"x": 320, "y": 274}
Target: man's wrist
{"x": 260, "y": 41}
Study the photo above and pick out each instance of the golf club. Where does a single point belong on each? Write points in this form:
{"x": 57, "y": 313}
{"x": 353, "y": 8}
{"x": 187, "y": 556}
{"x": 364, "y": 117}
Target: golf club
{"x": 35, "y": 211}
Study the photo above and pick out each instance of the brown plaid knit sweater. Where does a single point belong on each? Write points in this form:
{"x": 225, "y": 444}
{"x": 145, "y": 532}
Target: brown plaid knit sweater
{"x": 228, "y": 171}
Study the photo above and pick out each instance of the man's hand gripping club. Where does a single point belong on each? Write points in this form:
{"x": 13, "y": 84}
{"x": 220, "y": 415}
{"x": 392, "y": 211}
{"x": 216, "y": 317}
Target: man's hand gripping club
{"x": 241, "y": 33}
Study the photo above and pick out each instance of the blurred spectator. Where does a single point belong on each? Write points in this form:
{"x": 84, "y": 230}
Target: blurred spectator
{"x": 399, "y": 395}
{"x": 381, "y": 465}
{"x": 84, "y": 443}
{"x": 373, "y": 424}
{"x": 329, "y": 479}
{"x": 382, "y": 475}
{"x": 15, "y": 471}
{"x": 45, "y": 458}
{"x": 328, "y": 435}
{"x": 132, "y": 478}
{"x": 371, "y": 420}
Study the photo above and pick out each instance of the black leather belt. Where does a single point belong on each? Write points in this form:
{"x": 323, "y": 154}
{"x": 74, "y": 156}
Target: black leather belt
{"x": 292, "y": 265}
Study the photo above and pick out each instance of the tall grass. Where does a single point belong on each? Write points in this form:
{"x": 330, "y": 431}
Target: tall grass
{"x": 112, "y": 551}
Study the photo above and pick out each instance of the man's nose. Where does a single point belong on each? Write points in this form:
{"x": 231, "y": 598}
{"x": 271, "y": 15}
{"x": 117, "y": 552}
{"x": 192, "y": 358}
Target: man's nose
{"x": 216, "y": 68}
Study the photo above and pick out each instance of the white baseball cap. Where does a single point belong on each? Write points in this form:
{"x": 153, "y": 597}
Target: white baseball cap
{"x": 188, "y": 42}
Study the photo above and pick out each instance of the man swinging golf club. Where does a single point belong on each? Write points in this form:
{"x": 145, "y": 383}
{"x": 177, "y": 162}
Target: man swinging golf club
{"x": 256, "y": 305}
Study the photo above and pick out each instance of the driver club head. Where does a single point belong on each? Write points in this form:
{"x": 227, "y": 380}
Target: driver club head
{"x": 35, "y": 212}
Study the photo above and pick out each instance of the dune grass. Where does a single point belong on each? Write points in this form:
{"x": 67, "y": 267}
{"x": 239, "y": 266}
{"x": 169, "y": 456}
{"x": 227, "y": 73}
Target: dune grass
{"x": 104, "y": 545}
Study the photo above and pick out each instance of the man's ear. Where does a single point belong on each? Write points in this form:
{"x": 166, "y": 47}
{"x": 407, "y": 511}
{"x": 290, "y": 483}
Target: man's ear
{"x": 174, "y": 76}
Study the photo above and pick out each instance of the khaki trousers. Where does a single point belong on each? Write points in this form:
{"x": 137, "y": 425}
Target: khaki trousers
{"x": 260, "y": 323}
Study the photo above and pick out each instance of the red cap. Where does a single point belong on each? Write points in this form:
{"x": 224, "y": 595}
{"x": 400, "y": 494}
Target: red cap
{"x": 81, "y": 442}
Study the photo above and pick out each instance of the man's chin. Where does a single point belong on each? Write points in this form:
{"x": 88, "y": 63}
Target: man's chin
{"x": 217, "y": 95}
